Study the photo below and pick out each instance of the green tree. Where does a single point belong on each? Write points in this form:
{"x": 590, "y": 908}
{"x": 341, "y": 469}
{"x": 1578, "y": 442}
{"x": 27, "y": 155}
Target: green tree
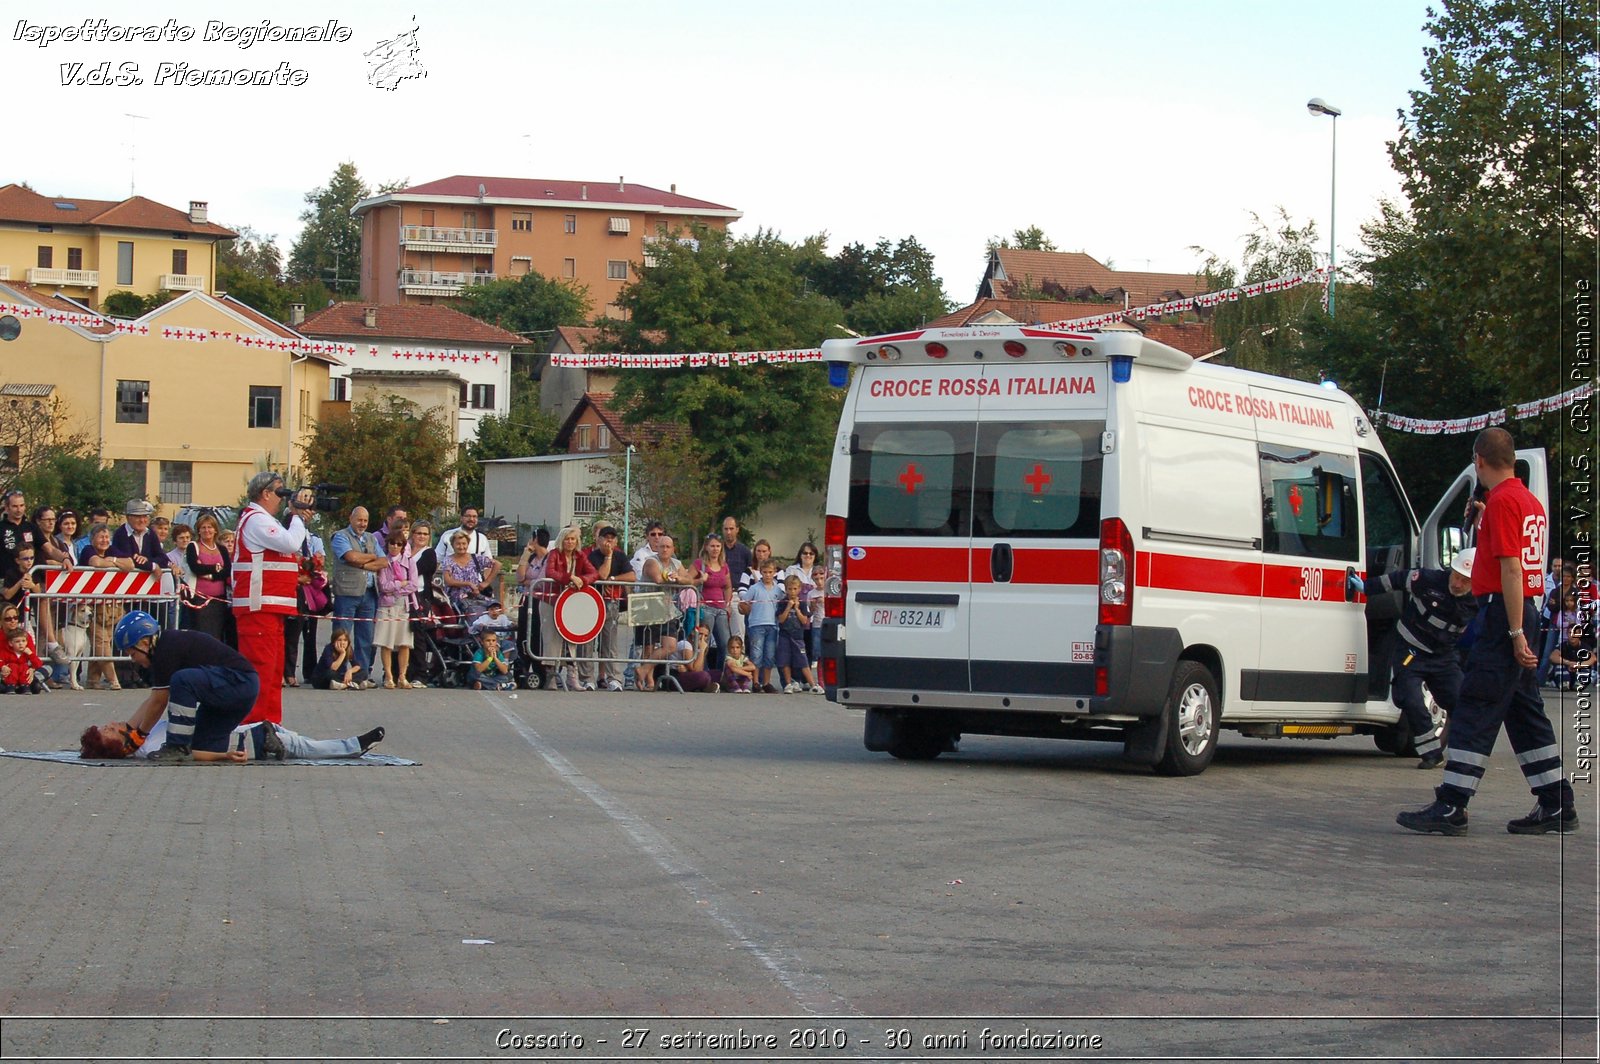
{"x": 250, "y": 253}
{"x": 387, "y": 451}
{"x": 525, "y": 430}
{"x": 882, "y": 289}
{"x": 1496, "y": 158}
{"x": 1478, "y": 275}
{"x": 672, "y": 481}
{"x": 124, "y": 304}
{"x": 1267, "y": 333}
{"x": 766, "y": 430}
{"x": 54, "y": 463}
{"x": 1030, "y": 239}
{"x": 329, "y": 247}
{"x": 528, "y": 304}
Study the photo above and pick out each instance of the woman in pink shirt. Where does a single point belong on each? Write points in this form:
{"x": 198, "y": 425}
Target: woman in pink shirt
{"x": 711, "y": 574}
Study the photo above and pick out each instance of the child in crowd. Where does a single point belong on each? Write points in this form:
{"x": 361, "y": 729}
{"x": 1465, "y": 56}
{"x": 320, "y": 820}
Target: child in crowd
{"x": 494, "y": 619}
{"x": 794, "y": 621}
{"x": 819, "y": 579}
{"x": 759, "y": 604}
{"x": 738, "y": 674}
{"x": 337, "y": 669}
{"x": 22, "y": 671}
{"x": 689, "y": 662}
{"x": 490, "y": 670}
{"x": 17, "y": 583}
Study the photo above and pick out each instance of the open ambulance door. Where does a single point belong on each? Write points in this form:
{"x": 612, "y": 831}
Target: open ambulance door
{"x": 1448, "y": 530}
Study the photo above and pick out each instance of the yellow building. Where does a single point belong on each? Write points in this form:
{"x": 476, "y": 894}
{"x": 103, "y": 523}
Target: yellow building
{"x": 88, "y": 249}
{"x": 189, "y": 400}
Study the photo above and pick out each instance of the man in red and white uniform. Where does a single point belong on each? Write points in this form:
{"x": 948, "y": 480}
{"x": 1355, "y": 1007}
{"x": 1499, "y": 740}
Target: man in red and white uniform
{"x": 1500, "y": 685}
{"x": 266, "y": 572}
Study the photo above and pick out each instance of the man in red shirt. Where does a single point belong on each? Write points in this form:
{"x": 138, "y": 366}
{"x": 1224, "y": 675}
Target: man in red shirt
{"x": 1500, "y": 685}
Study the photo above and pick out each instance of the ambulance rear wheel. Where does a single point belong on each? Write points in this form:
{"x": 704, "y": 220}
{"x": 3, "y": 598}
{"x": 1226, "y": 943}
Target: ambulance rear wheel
{"x": 1192, "y": 725}
{"x": 917, "y": 742}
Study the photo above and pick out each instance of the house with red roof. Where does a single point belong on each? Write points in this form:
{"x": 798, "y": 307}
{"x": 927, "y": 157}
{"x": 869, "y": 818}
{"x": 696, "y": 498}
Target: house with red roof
{"x": 187, "y": 402}
{"x": 1073, "y": 276}
{"x": 87, "y": 249}
{"x": 425, "y": 243}
{"x": 406, "y": 342}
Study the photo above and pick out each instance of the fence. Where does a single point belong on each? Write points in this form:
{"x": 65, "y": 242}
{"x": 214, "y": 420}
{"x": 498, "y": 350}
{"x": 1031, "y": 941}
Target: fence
{"x": 78, "y": 608}
{"x": 623, "y": 629}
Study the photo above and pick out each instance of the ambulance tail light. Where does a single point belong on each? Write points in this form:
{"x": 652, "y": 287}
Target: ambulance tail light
{"x": 936, "y": 349}
{"x": 1015, "y": 348}
{"x": 833, "y": 587}
{"x": 1116, "y": 573}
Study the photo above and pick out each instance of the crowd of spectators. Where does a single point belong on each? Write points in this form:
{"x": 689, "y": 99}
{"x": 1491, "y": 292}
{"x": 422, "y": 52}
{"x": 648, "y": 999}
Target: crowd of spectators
{"x": 729, "y": 619}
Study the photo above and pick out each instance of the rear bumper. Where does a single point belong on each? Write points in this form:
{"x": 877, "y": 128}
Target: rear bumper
{"x": 1136, "y": 662}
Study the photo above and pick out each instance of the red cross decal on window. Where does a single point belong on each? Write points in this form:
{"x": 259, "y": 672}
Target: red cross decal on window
{"x": 1037, "y": 479}
{"x": 911, "y": 478}
{"x": 1295, "y": 500}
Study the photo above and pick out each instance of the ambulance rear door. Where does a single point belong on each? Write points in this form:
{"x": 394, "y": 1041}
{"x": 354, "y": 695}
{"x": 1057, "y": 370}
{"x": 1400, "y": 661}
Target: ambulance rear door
{"x": 909, "y": 530}
{"x": 1449, "y": 528}
{"x": 1036, "y": 505}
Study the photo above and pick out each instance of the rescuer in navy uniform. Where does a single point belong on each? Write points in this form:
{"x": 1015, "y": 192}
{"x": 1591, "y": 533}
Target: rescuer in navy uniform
{"x": 1439, "y": 606}
{"x": 1500, "y": 685}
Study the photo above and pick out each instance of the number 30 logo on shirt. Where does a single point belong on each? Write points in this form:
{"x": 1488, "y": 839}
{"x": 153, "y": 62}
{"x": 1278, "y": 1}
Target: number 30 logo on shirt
{"x": 1533, "y": 527}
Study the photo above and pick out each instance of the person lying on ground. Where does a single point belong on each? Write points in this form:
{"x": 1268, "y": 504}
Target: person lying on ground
{"x": 262, "y": 741}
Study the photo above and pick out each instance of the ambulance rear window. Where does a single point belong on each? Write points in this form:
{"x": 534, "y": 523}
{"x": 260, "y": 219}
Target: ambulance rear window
{"x": 911, "y": 480}
{"x": 1038, "y": 479}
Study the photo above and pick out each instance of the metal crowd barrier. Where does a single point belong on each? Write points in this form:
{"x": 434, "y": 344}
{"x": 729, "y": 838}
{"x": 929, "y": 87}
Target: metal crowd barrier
{"x": 639, "y": 619}
{"x": 93, "y": 600}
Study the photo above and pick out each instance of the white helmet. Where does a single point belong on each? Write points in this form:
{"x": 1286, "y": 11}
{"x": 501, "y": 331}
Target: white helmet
{"x": 1462, "y": 563}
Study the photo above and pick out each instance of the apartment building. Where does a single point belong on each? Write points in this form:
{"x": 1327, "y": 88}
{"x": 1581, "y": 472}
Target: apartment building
{"x": 87, "y": 249}
{"x": 426, "y": 243}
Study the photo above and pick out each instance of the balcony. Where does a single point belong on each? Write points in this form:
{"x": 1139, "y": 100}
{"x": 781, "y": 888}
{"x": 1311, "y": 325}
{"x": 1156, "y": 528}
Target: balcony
{"x": 432, "y": 238}
{"x": 71, "y": 278}
{"x": 433, "y": 283}
{"x": 182, "y": 282}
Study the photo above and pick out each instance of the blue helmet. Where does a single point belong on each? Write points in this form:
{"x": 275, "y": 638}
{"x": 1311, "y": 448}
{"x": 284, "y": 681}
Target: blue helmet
{"x": 134, "y": 626}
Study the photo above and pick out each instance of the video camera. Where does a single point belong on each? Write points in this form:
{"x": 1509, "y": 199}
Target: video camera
{"x": 327, "y": 496}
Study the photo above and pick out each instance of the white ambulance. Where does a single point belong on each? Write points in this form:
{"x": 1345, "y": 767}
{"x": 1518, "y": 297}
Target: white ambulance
{"x": 1093, "y": 536}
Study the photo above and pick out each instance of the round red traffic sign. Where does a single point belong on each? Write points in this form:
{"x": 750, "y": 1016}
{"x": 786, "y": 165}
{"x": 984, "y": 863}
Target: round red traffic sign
{"x": 580, "y": 614}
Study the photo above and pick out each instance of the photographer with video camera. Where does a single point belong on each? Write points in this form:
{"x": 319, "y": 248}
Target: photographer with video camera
{"x": 266, "y": 576}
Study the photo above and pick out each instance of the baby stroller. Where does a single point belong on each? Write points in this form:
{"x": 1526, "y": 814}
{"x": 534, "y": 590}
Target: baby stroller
{"x": 441, "y": 649}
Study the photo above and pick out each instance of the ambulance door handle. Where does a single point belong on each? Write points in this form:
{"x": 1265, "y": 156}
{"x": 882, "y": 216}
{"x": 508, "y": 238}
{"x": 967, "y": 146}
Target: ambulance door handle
{"x": 1000, "y": 563}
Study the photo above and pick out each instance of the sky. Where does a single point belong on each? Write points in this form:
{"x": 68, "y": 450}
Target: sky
{"x": 1135, "y": 132}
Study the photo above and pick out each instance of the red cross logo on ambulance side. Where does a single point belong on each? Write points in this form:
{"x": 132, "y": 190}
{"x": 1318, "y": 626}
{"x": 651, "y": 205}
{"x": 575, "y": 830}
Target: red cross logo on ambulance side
{"x": 1295, "y": 499}
{"x": 911, "y": 478}
{"x": 1038, "y": 478}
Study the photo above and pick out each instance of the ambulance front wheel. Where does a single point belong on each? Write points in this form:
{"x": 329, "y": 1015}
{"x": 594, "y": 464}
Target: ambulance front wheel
{"x": 1192, "y": 726}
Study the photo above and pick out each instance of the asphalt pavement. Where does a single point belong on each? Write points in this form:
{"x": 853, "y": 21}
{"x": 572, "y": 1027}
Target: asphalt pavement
{"x": 665, "y": 876}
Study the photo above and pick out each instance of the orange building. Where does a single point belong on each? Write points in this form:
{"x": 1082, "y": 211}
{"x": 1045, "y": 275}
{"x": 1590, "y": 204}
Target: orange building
{"x": 429, "y": 241}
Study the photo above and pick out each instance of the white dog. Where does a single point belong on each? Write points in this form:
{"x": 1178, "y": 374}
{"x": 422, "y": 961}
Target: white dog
{"x": 74, "y": 637}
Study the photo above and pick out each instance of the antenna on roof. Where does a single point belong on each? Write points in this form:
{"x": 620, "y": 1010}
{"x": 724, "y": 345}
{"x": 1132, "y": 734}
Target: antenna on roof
{"x": 133, "y": 146}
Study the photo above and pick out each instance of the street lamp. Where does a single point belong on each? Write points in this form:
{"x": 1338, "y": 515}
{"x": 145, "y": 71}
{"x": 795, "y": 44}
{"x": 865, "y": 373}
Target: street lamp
{"x": 1318, "y": 106}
